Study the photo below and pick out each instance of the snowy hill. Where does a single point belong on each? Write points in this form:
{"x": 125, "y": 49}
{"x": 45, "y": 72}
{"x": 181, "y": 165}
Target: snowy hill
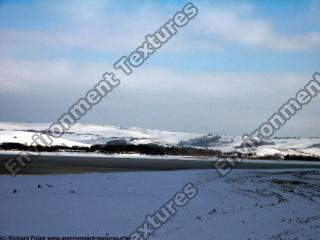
{"x": 90, "y": 134}
{"x": 25, "y": 138}
{"x": 97, "y": 134}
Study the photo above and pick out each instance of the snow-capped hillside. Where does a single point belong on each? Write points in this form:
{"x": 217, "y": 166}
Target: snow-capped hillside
{"x": 279, "y": 146}
{"x": 90, "y": 134}
{"x": 25, "y": 138}
{"x": 97, "y": 134}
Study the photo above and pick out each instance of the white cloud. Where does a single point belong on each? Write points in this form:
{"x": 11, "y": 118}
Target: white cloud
{"x": 238, "y": 26}
{"x": 98, "y": 26}
{"x": 211, "y": 84}
{"x": 211, "y": 100}
{"x": 30, "y": 75}
{"x": 27, "y": 75}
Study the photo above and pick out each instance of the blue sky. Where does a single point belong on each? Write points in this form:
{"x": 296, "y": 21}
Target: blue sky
{"x": 51, "y": 52}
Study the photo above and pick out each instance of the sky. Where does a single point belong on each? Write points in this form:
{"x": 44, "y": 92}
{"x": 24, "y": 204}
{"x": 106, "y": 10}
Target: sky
{"x": 227, "y": 71}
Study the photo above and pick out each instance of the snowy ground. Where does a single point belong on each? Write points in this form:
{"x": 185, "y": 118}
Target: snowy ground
{"x": 247, "y": 204}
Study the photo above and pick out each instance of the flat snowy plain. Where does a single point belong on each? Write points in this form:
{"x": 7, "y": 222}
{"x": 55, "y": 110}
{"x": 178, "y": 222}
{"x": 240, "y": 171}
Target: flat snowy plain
{"x": 246, "y": 204}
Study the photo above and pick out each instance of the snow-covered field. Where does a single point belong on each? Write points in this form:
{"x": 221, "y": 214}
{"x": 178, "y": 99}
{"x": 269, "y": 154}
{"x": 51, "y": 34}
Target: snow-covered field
{"x": 89, "y": 134}
{"x": 246, "y": 204}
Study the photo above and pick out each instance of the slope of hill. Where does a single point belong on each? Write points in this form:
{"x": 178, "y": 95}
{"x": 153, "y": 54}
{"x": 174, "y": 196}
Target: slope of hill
{"x": 86, "y": 135}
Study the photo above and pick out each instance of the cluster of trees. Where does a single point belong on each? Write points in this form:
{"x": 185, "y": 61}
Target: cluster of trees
{"x": 149, "y": 149}
{"x": 40, "y": 148}
{"x": 204, "y": 141}
{"x": 301, "y": 158}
